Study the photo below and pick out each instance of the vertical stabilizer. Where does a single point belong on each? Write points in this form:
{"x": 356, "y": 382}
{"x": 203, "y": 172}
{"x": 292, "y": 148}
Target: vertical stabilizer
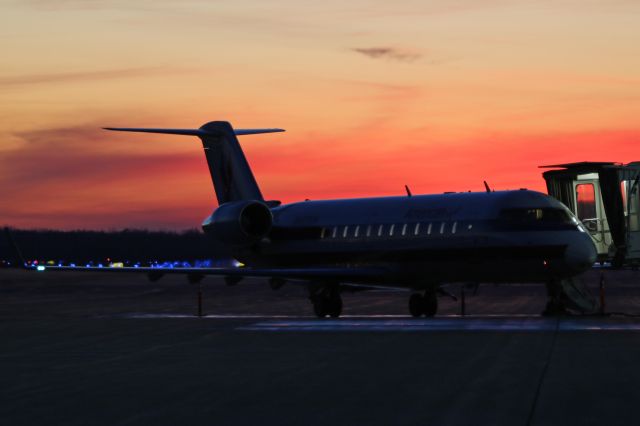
{"x": 230, "y": 171}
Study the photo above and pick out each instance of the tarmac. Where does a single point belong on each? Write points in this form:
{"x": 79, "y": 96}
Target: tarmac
{"x": 116, "y": 349}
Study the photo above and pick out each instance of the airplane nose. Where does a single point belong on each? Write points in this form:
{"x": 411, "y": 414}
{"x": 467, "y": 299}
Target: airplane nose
{"x": 580, "y": 254}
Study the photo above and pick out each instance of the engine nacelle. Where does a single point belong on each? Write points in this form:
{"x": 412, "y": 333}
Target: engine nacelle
{"x": 239, "y": 222}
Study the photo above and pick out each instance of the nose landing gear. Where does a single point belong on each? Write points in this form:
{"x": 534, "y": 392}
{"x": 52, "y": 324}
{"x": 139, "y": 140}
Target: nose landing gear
{"x": 426, "y": 304}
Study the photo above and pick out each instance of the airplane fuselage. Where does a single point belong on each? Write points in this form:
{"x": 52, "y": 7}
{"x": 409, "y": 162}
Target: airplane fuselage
{"x": 506, "y": 236}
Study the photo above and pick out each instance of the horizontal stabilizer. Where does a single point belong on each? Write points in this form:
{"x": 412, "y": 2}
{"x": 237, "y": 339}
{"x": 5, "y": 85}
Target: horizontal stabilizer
{"x": 191, "y": 132}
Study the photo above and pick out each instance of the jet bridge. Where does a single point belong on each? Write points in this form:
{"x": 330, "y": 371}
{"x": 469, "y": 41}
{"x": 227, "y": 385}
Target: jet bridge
{"x": 605, "y": 197}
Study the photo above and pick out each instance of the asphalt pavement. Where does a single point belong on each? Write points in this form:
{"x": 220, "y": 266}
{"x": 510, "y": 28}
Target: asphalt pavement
{"x": 83, "y": 349}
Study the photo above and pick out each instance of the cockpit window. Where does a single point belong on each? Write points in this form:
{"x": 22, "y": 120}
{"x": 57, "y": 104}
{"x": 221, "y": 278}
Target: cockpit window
{"x": 547, "y": 215}
{"x": 536, "y": 217}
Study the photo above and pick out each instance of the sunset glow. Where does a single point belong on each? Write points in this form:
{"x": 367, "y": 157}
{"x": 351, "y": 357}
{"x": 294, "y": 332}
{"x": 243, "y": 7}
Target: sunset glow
{"x": 439, "y": 95}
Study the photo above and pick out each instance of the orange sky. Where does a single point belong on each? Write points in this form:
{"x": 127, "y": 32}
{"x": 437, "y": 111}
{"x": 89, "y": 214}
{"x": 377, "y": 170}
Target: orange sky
{"x": 440, "y": 95}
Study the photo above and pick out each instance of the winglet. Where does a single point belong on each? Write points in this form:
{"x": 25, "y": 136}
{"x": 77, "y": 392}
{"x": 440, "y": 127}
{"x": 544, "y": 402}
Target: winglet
{"x": 19, "y": 259}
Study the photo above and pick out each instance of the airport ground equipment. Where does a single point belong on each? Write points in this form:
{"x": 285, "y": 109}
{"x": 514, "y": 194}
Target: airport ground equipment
{"x": 605, "y": 197}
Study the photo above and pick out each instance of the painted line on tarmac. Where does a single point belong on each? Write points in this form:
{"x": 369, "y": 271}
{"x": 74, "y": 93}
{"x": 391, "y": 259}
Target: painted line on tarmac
{"x": 142, "y": 315}
{"x": 443, "y": 324}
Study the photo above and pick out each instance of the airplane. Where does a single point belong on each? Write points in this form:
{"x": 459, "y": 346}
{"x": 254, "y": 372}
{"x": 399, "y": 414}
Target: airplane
{"x": 414, "y": 242}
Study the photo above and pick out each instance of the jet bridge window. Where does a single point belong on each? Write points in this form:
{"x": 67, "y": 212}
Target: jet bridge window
{"x": 629, "y": 190}
{"x": 586, "y": 202}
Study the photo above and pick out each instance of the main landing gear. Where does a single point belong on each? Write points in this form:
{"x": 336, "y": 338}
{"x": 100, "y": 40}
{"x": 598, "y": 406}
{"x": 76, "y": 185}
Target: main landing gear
{"x": 426, "y": 304}
{"x": 327, "y": 302}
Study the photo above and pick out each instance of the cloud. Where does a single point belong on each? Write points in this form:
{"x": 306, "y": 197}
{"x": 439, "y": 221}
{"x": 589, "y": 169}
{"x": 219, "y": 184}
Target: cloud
{"x": 100, "y": 179}
{"x": 64, "y": 77}
{"x": 390, "y": 53}
{"x": 86, "y": 152}
{"x": 83, "y": 4}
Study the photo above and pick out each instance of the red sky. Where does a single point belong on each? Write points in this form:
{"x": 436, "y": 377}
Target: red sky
{"x": 433, "y": 94}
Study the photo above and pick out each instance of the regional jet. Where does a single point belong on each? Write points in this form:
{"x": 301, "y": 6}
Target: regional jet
{"x": 414, "y": 242}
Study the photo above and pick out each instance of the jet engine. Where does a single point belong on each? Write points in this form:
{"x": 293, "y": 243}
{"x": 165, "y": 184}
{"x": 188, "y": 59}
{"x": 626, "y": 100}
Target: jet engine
{"x": 239, "y": 222}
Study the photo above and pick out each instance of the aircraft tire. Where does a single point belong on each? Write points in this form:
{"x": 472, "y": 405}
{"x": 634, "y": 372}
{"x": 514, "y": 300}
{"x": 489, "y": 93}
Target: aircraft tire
{"x": 416, "y": 305}
{"x": 321, "y": 307}
{"x": 430, "y": 304}
{"x": 335, "y": 306}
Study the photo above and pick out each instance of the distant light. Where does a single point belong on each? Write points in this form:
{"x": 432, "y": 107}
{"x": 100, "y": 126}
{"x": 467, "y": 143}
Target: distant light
{"x": 40, "y": 268}
{"x": 73, "y": 265}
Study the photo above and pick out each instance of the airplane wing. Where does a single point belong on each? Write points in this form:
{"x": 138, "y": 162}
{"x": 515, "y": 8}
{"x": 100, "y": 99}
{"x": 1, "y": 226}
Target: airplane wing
{"x": 343, "y": 273}
{"x": 362, "y": 277}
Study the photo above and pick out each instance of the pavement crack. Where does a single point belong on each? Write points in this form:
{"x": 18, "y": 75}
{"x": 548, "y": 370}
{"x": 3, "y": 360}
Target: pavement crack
{"x": 543, "y": 374}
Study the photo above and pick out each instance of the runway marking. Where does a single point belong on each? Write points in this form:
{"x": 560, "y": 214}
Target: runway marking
{"x": 531, "y": 324}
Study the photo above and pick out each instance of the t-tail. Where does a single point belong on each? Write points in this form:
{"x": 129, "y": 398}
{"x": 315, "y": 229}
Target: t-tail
{"x": 230, "y": 172}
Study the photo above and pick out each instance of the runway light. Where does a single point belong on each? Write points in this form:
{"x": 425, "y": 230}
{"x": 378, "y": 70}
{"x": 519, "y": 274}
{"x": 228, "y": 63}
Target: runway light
{"x": 40, "y": 268}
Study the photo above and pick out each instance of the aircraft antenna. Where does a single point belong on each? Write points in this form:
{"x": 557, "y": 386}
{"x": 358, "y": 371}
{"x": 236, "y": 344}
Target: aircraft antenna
{"x": 486, "y": 186}
{"x": 409, "y": 194}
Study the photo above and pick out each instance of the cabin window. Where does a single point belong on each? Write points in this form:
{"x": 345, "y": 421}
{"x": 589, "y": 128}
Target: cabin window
{"x": 368, "y": 230}
{"x": 429, "y": 229}
{"x": 322, "y": 233}
{"x": 417, "y": 230}
{"x": 380, "y": 230}
{"x": 357, "y": 231}
{"x": 469, "y": 227}
{"x": 344, "y": 233}
{"x": 404, "y": 229}
{"x": 391, "y": 230}
{"x": 453, "y": 228}
{"x": 334, "y": 232}
{"x": 442, "y": 228}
